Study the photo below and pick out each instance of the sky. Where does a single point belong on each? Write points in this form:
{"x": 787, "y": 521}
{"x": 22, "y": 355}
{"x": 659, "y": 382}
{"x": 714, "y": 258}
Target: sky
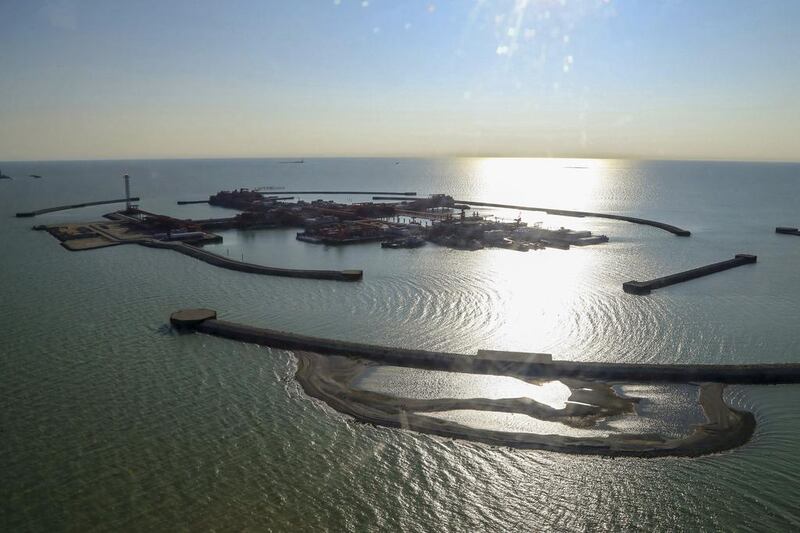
{"x": 671, "y": 79}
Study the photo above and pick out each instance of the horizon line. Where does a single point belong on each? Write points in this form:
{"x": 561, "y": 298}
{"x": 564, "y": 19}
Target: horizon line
{"x": 404, "y": 156}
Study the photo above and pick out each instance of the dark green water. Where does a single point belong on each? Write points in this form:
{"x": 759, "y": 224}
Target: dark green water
{"x": 110, "y": 421}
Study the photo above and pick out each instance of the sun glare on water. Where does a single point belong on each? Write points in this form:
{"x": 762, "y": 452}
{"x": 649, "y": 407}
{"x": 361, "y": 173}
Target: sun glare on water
{"x": 541, "y": 295}
{"x": 540, "y": 182}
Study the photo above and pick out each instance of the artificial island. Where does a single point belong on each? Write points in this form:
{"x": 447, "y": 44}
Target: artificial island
{"x": 395, "y": 219}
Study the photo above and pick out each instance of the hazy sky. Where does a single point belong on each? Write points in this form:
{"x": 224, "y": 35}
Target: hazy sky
{"x": 202, "y": 78}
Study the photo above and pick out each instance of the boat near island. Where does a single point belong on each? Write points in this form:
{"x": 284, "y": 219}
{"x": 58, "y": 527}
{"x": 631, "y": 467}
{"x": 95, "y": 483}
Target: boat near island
{"x": 4, "y": 176}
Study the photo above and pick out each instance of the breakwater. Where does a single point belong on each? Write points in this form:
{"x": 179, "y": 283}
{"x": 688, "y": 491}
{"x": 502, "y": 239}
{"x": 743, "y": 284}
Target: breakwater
{"x": 404, "y": 198}
{"x": 231, "y": 264}
{"x": 73, "y": 206}
{"x": 190, "y": 202}
{"x": 581, "y": 214}
{"x": 490, "y": 362}
{"x": 100, "y": 235}
{"x": 644, "y": 287}
{"x": 346, "y": 192}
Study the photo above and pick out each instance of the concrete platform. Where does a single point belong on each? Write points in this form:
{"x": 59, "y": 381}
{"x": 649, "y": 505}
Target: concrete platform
{"x": 188, "y": 318}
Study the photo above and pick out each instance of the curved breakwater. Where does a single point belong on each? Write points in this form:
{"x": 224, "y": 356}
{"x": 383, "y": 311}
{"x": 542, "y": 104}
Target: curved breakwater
{"x": 226, "y": 262}
{"x": 494, "y": 362}
{"x": 567, "y": 213}
{"x": 232, "y": 264}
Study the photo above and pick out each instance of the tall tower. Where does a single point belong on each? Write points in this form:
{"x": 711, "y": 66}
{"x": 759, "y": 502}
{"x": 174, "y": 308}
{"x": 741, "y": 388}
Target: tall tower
{"x": 127, "y": 180}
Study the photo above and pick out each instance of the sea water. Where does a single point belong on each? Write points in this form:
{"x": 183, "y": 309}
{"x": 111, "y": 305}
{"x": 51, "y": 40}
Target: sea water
{"x": 110, "y": 420}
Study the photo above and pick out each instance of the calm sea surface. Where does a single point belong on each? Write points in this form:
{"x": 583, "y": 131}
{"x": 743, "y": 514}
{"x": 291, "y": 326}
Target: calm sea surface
{"x": 110, "y": 421}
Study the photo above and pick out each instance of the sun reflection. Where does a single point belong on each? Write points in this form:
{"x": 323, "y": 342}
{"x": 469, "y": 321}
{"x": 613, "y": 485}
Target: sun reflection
{"x": 537, "y": 310}
{"x": 552, "y": 393}
{"x": 540, "y": 182}
{"x": 428, "y": 384}
{"x": 545, "y": 297}
{"x": 515, "y": 423}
